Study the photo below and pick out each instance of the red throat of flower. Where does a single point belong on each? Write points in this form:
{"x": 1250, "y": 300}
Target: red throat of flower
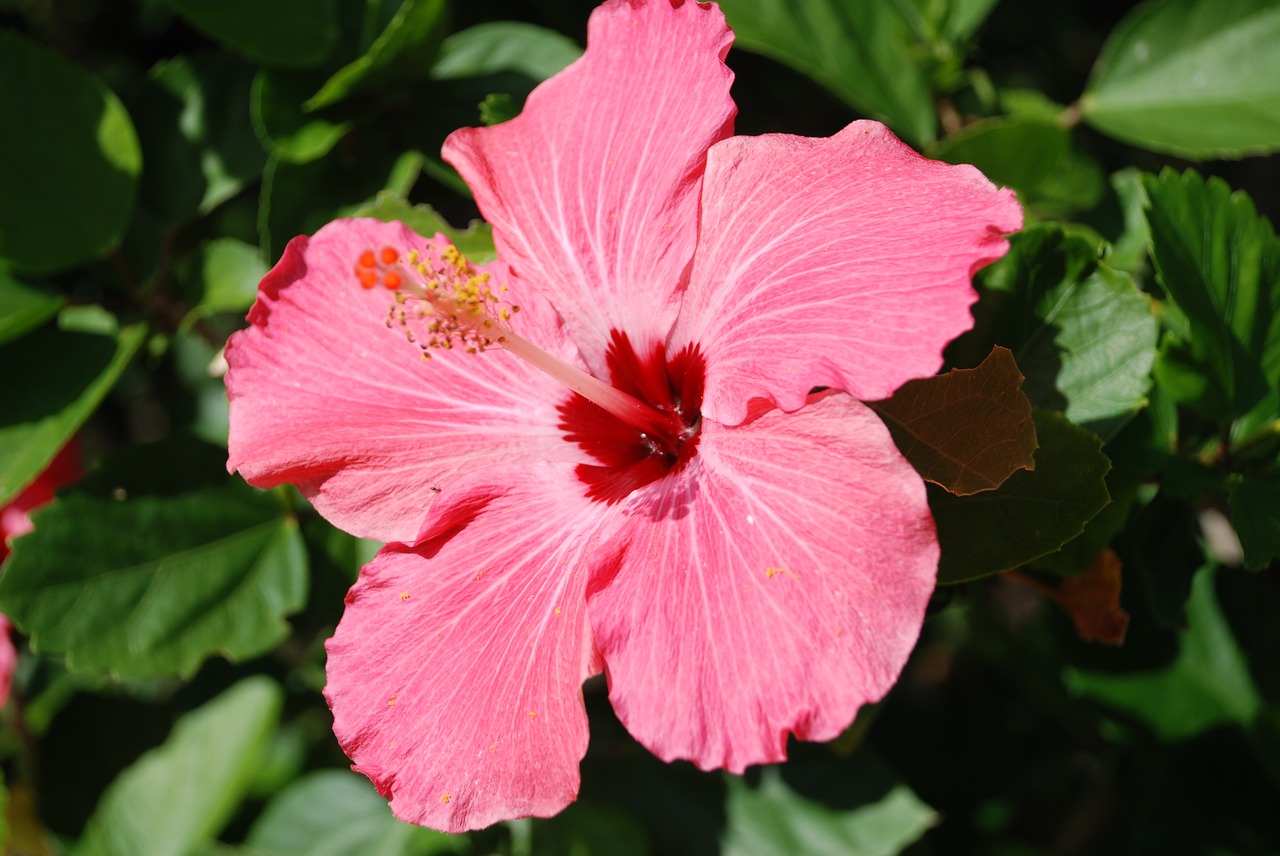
{"x": 640, "y": 427}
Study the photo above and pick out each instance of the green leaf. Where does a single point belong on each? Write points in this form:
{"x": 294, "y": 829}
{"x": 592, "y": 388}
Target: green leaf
{"x": 499, "y": 46}
{"x": 298, "y": 199}
{"x": 197, "y": 140}
{"x": 475, "y": 242}
{"x": 65, "y": 376}
{"x": 1082, "y": 333}
{"x": 176, "y": 796}
{"x": 1219, "y": 263}
{"x": 69, "y": 161}
{"x": 338, "y": 813}
{"x": 404, "y": 50}
{"x": 965, "y": 16}
{"x": 1033, "y": 513}
{"x": 289, "y": 132}
{"x": 226, "y": 278}
{"x": 149, "y": 582}
{"x": 1196, "y": 78}
{"x": 771, "y": 818}
{"x": 1207, "y": 685}
{"x": 24, "y": 308}
{"x": 291, "y": 33}
{"x": 967, "y": 430}
{"x": 1255, "y": 512}
{"x": 497, "y": 108}
{"x": 1129, "y": 251}
{"x": 1013, "y": 152}
{"x": 863, "y": 52}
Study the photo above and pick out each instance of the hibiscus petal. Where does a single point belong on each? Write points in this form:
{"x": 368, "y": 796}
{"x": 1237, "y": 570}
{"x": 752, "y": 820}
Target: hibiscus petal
{"x": 326, "y": 396}
{"x": 773, "y": 586}
{"x": 841, "y": 262}
{"x": 455, "y": 675}
{"x": 593, "y": 190}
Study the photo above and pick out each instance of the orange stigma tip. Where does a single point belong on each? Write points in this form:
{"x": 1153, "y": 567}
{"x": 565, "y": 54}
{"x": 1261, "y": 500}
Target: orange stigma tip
{"x": 389, "y": 256}
{"x": 368, "y": 278}
{"x": 391, "y": 280}
{"x": 367, "y": 259}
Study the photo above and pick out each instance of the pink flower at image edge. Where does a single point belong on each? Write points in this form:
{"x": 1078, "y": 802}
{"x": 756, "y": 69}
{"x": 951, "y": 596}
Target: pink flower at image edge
{"x": 744, "y": 559}
{"x": 15, "y": 521}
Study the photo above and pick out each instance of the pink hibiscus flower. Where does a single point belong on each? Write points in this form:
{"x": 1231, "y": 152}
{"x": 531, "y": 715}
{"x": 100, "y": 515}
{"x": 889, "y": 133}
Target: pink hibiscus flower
{"x": 15, "y": 521}
{"x": 635, "y": 475}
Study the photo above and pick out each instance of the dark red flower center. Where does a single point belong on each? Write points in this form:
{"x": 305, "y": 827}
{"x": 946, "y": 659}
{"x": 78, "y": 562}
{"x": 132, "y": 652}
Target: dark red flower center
{"x": 628, "y": 457}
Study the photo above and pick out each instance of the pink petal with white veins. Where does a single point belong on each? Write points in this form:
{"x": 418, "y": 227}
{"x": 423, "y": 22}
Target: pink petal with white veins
{"x": 325, "y": 395}
{"x": 771, "y": 587}
{"x": 843, "y": 262}
{"x": 455, "y": 675}
{"x": 593, "y": 190}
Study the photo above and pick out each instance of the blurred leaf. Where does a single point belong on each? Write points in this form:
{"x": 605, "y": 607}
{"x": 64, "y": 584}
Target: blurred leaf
{"x": 1219, "y": 263}
{"x": 475, "y": 242}
{"x": 1092, "y": 598}
{"x": 862, "y": 52}
{"x": 152, "y": 581}
{"x": 1012, "y": 152}
{"x": 292, "y": 33}
{"x": 69, "y": 161}
{"x": 338, "y": 813}
{"x": 586, "y": 829}
{"x": 498, "y": 108}
{"x": 504, "y": 46}
{"x": 1196, "y": 78}
{"x": 64, "y": 377}
{"x": 291, "y": 133}
{"x": 1207, "y": 685}
{"x": 1081, "y": 332}
{"x": 197, "y": 141}
{"x": 176, "y": 796}
{"x": 226, "y": 278}
{"x": 297, "y": 199}
{"x": 1255, "y": 513}
{"x": 404, "y": 49}
{"x": 1033, "y": 513}
{"x": 967, "y": 430}
{"x": 771, "y": 818}
{"x": 1129, "y": 251}
{"x": 964, "y": 17}
{"x": 24, "y": 308}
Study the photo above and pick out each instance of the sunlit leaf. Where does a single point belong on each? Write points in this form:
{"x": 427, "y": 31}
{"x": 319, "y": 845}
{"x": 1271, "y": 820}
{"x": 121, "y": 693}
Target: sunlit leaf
{"x": 967, "y": 430}
{"x": 504, "y": 46}
{"x": 1219, "y": 263}
{"x": 152, "y": 579}
{"x": 225, "y": 278}
{"x": 1033, "y": 513}
{"x": 1197, "y": 78}
{"x": 182, "y": 793}
{"x": 69, "y": 160}
{"x": 1012, "y": 152}
{"x": 475, "y": 242}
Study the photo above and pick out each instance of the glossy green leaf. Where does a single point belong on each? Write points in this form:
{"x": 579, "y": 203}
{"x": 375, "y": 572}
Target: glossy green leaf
{"x": 1207, "y": 685}
{"x": 1082, "y": 333}
{"x": 1255, "y": 512}
{"x": 1219, "y": 263}
{"x": 1012, "y": 152}
{"x": 770, "y": 818}
{"x": 863, "y": 52}
{"x": 504, "y": 46}
{"x": 69, "y": 161}
{"x": 291, "y": 33}
{"x": 24, "y": 307}
{"x": 1032, "y": 514}
{"x": 144, "y": 583}
{"x": 180, "y": 794}
{"x": 197, "y": 140}
{"x": 65, "y": 376}
{"x": 475, "y": 242}
{"x": 226, "y": 277}
{"x": 1197, "y": 78}
{"x": 967, "y": 430}
{"x": 404, "y": 50}
{"x": 338, "y": 813}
